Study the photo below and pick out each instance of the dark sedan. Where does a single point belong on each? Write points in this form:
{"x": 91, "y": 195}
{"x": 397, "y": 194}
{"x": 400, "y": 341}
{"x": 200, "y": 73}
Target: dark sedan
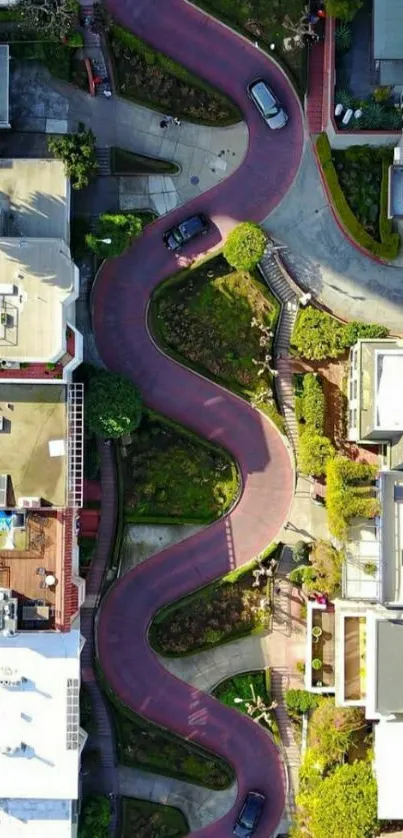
{"x": 184, "y": 232}
{"x": 250, "y": 814}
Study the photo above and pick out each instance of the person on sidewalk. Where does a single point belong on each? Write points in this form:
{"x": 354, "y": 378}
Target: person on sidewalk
{"x": 177, "y": 121}
{"x": 163, "y": 123}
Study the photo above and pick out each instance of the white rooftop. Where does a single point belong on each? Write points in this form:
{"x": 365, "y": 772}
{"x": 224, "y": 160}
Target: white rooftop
{"x": 389, "y": 394}
{"x": 21, "y": 818}
{"x": 39, "y": 746}
{"x": 388, "y": 748}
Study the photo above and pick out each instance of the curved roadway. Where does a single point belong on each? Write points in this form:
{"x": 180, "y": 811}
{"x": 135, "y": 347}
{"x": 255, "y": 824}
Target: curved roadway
{"x": 120, "y": 311}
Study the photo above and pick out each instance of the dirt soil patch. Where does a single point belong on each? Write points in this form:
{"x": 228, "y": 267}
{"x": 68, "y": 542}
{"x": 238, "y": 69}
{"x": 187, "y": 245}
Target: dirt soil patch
{"x": 171, "y": 475}
{"x": 229, "y": 608}
{"x": 143, "y": 819}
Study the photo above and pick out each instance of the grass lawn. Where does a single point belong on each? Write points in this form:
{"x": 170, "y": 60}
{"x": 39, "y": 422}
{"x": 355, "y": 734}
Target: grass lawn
{"x": 240, "y": 687}
{"x": 125, "y": 162}
{"x": 172, "y": 475}
{"x": 264, "y": 20}
{"x": 222, "y": 611}
{"x": 203, "y": 316}
{"x": 142, "y": 819}
{"x": 151, "y": 78}
{"x": 144, "y": 745}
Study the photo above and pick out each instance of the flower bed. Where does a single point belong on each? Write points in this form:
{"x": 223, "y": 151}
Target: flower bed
{"x": 151, "y": 78}
{"x": 220, "y": 322}
{"x": 173, "y": 476}
{"x": 222, "y": 611}
{"x": 388, "y": 247}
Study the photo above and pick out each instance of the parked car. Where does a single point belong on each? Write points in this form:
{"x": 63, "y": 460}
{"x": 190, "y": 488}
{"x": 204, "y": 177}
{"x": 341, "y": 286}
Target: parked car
{"x": 176, "y": 237}
{"x": 267, "y": 104}
{"x": 250, "y": 814}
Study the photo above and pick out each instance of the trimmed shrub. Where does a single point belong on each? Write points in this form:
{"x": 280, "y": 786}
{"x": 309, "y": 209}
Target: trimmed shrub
{"x": 245, "y": 246}
{"x": 313, "y": 403}
{"x": 349, "y": 493}
{"x": 388, "y": 247}
{"x": 314, "y": 453}
{"x": 317, "y": 335}
{"x": 113, "y": 405}
{"x": 114, "y": 234}
{"x": 300, "y": 701}
{"x": 343, "y": 9}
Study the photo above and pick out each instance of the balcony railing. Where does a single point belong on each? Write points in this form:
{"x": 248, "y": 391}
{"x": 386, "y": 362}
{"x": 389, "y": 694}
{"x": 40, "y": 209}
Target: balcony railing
{"x": 75, "y": 402}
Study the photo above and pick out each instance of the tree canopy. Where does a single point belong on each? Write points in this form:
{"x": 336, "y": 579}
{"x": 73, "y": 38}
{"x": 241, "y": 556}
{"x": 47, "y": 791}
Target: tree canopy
{"x": 78, "y": 154}
{"x": 114, "y": 234}
{"x": 95, "y": 818}
{"x": 343, "y": 9}
{"x": 349, "y": 493}
{"x": 332, "y": 730}
{"x": 314, "y": 453}
{"x": 245, "y": 246}
{"x": 317, "y": 335}
{"x": 323, "y": 573}
{"x": 52, "y": 18}
{"x": 113, "y": 405}
{"x": 344, "y": 803}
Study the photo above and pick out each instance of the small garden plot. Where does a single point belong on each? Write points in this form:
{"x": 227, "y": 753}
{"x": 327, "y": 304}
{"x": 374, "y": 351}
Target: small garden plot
{"x": 143, "y": 819}
{"x": 227, "y": 609}
{"x": 222, "y": 322}
{"x": 359, "y": 170}
{"x": 250, "y": 693}
{"x": 173, "y": 476}
{"x": 124, "y": 162}
{"x": 150, "y": 77}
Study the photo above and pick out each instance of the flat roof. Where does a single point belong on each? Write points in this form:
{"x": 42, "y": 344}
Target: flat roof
{"x": 389, "y": 667}
{"x": 42, "y": 713}
{"x": 364, "y": 550}
{"x": 388, "y": 749}
{"x": 4, "y": 85}
{"x": 21, "y": 818}
{"x": 38, "y": 281}
{"x": 388, "y": 29}
{"x": 391, "y": 535}
{"x": 34, "y": 199}
{"x": 388, "y": 396}
{"x": 34, "y": 415}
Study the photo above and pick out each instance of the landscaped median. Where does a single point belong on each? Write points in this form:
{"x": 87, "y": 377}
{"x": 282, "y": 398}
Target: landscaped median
{"x": 250, "y": 693}
{"x": 387, "y": 247}
{"x": 143, "y": 819}
{"x": 227, "y": 609}
{"x": 220, "y": 322}
{"x": 151, "y": 78}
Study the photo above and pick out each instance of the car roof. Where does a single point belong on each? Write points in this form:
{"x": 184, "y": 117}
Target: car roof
{"x": 261, "y": 91}
{"x": 193, "y": 223}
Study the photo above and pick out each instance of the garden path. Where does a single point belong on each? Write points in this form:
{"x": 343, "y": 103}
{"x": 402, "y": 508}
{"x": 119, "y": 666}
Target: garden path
{"x": 119, "y": 307}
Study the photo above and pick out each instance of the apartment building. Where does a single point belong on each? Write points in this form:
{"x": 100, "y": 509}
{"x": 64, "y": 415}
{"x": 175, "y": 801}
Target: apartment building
{"x": 41, "y": 481}
{"x": 359, "y": 637}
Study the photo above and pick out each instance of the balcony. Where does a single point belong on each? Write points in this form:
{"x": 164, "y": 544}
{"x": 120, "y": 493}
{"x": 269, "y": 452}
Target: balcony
{"x": 320, "y": 657}
{"x": 75, "y": 401}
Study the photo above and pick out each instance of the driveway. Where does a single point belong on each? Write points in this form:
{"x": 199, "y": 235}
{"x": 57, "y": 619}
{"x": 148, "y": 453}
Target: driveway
{"x": 120, "y": 308}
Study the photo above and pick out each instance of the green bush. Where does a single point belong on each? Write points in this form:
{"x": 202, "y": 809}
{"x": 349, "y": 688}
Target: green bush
{"x": 388, "y": 247}
{"x": 300, "y": 701}
{"x": 323, "y": 573}
{"x": 113, "y": 405}
{"x": 313, "y": 403}
{"x": 245, "y": 246}
{"x": 114, "y": 234}
{"x": 317, "y": 335}
{"x": 75, "y": 40}
{"x": 314, "y": 453}
{"x": 78, "y": 154}
{"x": 300, "y": 552}
{"x": 349, "y": 493}
{"x": 95, "y": 818}
{"x": 343, "y": 9}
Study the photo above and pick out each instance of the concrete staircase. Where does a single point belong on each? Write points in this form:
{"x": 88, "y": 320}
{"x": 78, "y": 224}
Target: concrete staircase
{"x": 276, "y": 279}
{"x": 103, "y": 156}
{"x": 280, "y": 680}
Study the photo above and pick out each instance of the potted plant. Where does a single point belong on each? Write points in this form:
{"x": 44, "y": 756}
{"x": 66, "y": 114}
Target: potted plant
{"x": 3, "y": 318}
{"x": 316, "y": 632}
{"x": 316, "y": 664}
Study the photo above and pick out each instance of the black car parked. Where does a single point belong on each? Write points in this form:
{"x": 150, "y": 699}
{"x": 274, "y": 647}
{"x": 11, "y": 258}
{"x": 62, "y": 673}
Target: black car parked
{"x": 176, "y": 237}
{"x": 250, "y": 814}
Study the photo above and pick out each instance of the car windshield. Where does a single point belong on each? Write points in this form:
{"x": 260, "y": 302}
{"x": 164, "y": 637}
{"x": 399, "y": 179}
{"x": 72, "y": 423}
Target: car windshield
{"x": 176, "y": 234}
{"x": 248, "y": 815}
{"x": 273, "y": 111}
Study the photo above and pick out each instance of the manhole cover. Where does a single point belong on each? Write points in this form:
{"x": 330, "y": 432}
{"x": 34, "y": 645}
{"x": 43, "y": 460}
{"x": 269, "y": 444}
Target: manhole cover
{"x": 194, "y": 180}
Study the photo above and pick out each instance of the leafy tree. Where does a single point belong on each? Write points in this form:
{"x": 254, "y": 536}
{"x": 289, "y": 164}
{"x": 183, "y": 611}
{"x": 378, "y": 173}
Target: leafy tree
{"x": 313, "y": 403}
{"x": 50, "y": 18}
{"x": 95, "y": 818}
{"x": 323, "y": 573}
{"x": 317, "y": 335}
{"x": 300, "y": 701}
{"x": 349, "y": 493}
{"x": 355, "y": 330}
{"x": 332, "y": 729}
{"x": 314, "y": 453}
{"x": 245, "y": 246}
{"x": 78, "y": 154}
{"x": 113, "y": 405}
{"x": 114, "y": 234}
{"x": 343, "y": 9}
{"x": 344, "y": 803}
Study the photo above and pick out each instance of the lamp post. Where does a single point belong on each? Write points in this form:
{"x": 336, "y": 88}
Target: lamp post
{"x": 105, "y": 241}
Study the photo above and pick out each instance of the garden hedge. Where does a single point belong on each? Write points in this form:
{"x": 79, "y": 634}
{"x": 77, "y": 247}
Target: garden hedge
{"x": 388, "y": 247}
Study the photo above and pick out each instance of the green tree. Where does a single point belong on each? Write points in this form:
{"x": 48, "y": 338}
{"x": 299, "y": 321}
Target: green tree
{"x": 317, "y": 335}
{"x": 332, "y": 730}
{"x": 114, "y": 234}
{"x": 349, "y": 493}
{"x": 343, "y": 804}
{"x": 95, "y": 818}
{"x": 78, "y": 154}
{"x": 323, "y": 573}
{"x": 355, "y": 330}
{"x": 314, "y": 453}
{"x": 113, "y": 405}
{"x": 343, "y": 9}
{"x": 245, "y": 246}
{"x": 49, "y": 18}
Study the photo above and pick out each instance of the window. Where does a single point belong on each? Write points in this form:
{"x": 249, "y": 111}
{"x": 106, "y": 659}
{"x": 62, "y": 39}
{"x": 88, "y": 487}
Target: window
{"x": 73, "y": 714}
{"x": 350, "y": 418}
{"x": 355, "y": 387}
{"x": 355, "y": 358}
{"x": 354, "y": 425}
{"x": 351, "y": 390}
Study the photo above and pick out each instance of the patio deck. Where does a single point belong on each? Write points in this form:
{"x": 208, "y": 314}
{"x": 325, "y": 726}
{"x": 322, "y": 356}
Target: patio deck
{"x": 323, "y": 647}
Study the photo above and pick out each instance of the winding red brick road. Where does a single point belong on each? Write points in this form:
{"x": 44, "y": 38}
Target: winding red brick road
{"x": 119, "y": 315}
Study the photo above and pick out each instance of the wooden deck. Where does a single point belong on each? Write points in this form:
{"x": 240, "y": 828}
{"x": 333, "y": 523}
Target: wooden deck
{"x": 19, "y": 568}
{"x": 323, "y": 648}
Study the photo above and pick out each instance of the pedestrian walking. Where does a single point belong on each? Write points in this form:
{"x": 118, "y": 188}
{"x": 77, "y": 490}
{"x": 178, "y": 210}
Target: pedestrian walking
{"x": 177, "y": 121}
{"x": 163, "y": 123}
{"x": 169, "y": 119}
